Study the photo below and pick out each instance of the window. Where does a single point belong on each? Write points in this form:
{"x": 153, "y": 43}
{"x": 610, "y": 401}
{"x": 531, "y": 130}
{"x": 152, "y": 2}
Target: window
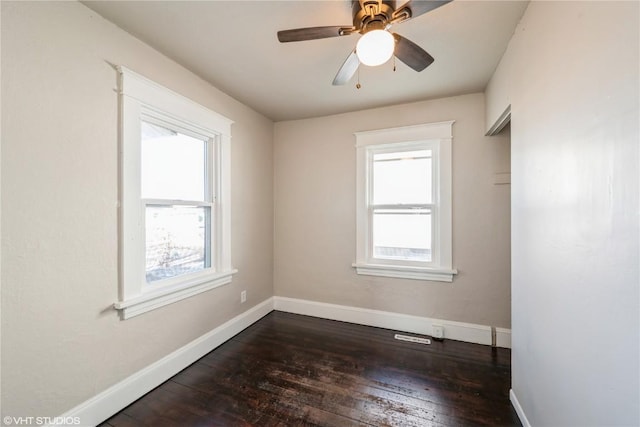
{"x": 404, "y": 202}
{"x": 174, "y": 175}
{"x": 174, "y": 197}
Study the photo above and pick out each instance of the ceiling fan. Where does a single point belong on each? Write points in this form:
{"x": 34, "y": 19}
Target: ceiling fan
{"x": 373, "y": 19}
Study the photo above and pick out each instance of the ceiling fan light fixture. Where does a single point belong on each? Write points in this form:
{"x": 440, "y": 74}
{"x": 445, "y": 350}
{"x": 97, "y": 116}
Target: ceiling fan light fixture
{"x": 375, "y": 47}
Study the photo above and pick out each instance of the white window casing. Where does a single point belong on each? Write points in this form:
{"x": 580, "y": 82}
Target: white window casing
{"x": 437, "y": 138}
{"x": 141, "y": 99}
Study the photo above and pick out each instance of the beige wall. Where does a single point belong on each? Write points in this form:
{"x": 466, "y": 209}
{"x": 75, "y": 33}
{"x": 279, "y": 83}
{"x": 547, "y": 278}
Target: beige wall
{"x": 62, "y": 343}
{"x": 571, "y": 76}
{"x": 315, "y": 216}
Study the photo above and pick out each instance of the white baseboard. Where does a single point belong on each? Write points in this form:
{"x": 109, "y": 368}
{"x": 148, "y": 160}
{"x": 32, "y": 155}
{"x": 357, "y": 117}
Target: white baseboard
{"x": 118, "y": 396}
{"x": 503, "y": 337}
{"x": 516, "y": 405}
{"x": 468, "y": 332}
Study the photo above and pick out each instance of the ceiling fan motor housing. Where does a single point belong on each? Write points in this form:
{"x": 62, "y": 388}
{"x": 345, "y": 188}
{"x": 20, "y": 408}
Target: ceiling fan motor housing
{"x": 369, "y": 15}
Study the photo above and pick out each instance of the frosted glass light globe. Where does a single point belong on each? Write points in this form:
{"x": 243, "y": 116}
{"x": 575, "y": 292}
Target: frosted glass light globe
{"x": 375, "y": 47}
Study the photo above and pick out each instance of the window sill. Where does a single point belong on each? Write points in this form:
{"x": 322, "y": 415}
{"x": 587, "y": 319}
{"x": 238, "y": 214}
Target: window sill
{"x": 405, "y": 272}
{"x": 151, "y": 300}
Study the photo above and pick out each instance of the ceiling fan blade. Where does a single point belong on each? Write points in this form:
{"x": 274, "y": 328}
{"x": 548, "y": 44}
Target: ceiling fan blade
{"x": 312, "y": 33}
{"x": 347, "y": 70}
{"x": 411, "y": 54}
{"x": 414, "y": 8}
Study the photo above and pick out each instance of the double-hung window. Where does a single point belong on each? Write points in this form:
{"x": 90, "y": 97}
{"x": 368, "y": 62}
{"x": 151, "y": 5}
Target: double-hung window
{"x": 404, "y": 202}
{"x": 178, "y": 197}
{"x": 174, "y": 197}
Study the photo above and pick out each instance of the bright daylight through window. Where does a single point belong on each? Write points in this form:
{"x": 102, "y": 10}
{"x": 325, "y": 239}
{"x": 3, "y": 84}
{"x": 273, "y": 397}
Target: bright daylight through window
{"x": 404, "y": 202}
{"x": 175, "y": 167}
{"x": 174, "y": 197}
{"x": 401, "y": 205}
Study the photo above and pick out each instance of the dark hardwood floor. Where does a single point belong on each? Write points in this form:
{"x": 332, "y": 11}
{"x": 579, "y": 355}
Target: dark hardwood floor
{"x": 292, "y": 370}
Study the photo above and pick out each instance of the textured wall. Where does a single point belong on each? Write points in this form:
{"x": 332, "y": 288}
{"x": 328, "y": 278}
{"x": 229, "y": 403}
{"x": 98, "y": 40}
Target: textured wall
{"x": 571, "y": 71}
{"x": 62, "y": 343}
{"x": 315, "y": 216}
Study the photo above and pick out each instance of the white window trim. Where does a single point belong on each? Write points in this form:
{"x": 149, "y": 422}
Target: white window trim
{"x": 141, "y": 97}
{"x": 439, "y": 135}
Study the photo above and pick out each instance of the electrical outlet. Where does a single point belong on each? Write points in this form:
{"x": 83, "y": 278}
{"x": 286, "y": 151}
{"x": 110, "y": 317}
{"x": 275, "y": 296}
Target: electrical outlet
{"x": 243, "y": 296}
{"x": 437, "y": 332}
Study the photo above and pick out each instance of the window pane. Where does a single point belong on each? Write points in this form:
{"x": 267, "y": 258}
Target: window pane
{"x": 402, "y": 178}
{"x": 402, "y": 234}
{"x": 176, "y": 241}
{"x": 173, "y": 164}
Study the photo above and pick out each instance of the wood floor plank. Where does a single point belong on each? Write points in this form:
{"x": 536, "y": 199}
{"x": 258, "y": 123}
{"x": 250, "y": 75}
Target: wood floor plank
{"x": 292, "y": 370}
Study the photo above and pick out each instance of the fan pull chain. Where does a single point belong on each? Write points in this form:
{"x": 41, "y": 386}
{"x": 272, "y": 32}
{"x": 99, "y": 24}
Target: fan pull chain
{"x": 358, "y": 85}
{"x": 394, "y": 63}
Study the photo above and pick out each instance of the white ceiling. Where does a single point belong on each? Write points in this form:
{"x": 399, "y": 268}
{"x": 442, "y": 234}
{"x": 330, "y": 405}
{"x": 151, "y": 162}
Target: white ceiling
{"x": 233, "y": 45}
